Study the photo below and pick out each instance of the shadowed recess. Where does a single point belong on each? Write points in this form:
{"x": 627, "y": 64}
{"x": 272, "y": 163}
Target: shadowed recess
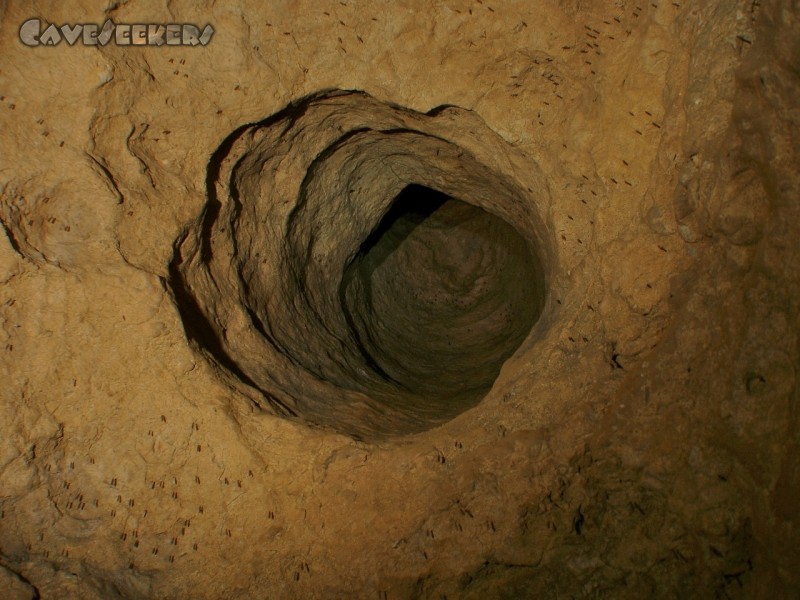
{"x": 439, "y": 295}
{"x": 359, "y": 269}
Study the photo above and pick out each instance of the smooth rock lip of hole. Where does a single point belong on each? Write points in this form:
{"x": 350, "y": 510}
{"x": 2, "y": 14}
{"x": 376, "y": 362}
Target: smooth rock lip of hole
{"x": 364, "y": 267}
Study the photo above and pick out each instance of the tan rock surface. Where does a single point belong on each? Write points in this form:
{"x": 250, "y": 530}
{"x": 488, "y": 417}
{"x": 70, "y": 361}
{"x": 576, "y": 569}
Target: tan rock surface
{"x": 181, "y": 419}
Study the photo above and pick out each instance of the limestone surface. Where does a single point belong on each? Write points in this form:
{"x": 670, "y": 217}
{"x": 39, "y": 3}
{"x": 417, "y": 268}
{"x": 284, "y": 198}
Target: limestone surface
{"x": 360, "y": 299}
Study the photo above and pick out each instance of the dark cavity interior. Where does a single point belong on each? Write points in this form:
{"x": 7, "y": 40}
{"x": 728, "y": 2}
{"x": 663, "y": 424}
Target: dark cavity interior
{"x": 440, "y": 294}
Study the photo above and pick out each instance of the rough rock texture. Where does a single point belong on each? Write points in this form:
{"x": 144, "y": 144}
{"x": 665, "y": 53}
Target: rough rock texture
{"x": 608, "y": 189}
{"x": 358, "y": 272}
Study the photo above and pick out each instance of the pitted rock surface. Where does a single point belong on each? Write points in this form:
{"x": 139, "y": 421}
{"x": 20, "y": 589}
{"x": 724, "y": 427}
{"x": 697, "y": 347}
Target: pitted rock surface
{"x": 402, "y": 300}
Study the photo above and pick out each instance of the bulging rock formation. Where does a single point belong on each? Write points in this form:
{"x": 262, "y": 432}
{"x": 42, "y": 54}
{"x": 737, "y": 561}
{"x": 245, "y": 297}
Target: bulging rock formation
{"x": 401, "y": 300}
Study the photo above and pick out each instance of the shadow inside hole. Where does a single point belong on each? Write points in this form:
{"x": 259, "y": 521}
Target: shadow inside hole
{"x": 440, "y": 294}
{"x": 406, "y": 334}
{"x": 413, "y": 205}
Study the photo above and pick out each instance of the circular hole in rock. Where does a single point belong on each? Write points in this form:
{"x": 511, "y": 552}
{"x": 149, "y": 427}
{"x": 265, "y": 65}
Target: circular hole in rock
{"x": 438, "y": 297}
{"x": 360, "y": 266}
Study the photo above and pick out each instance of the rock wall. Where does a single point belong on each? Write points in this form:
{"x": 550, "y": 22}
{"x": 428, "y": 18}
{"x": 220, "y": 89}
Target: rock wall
{"x": 402, "y": 300}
